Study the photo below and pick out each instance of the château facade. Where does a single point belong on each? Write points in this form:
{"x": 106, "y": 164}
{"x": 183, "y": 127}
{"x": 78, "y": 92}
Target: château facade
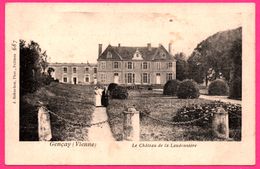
{"x": 135, "y": 65}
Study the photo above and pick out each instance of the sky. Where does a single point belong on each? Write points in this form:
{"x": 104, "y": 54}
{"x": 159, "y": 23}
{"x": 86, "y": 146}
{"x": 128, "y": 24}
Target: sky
{"x": 71, "y": 33}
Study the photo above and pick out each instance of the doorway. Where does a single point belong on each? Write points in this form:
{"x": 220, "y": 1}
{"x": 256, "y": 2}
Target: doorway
{"x": 158, "y": 78}
{"x": 74, "y": 80}
{"x": 116, "y": 78}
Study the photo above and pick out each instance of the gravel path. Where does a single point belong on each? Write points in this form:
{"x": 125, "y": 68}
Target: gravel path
{"x": 221, "y": 98}
{"x": 101, "y": 132}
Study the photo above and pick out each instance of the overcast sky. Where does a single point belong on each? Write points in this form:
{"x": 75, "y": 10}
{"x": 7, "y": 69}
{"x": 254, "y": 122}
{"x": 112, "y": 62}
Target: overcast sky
{"x": 71, "y": 33}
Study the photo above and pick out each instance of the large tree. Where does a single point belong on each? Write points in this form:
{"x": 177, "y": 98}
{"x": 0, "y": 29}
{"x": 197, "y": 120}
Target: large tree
{"x": 181, "y": 66}
{"x": 213, "y": 57}
{"x": 236, "y": 72}
{"x": 33, "y": 63}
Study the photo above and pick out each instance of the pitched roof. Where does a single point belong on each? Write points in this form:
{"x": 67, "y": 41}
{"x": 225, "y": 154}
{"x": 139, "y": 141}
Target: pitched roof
{"x": 127, "y": 53}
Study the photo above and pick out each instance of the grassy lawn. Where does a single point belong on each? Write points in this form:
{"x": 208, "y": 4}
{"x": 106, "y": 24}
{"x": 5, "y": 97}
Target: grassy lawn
{"x": 161, "y": 107}
{"x": 73, "y": 102}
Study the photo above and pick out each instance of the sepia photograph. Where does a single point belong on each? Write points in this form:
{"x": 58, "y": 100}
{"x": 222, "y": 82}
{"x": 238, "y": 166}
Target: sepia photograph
{"x": 140, "y": 74}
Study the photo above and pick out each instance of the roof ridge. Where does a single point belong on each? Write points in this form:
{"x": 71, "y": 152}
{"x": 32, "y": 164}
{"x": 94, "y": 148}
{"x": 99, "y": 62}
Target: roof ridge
{"x": 134, "y": 46}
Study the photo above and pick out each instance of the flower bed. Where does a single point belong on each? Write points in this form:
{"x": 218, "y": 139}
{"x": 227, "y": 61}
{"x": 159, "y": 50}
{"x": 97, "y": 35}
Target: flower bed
{"x": 192, "y": 112}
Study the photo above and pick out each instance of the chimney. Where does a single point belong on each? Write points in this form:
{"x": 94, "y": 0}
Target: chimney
{"x": 170, "y": 48}
{"x": 119, "y": 45}
{"x": 99, "y": 49}
{"x": 149, "y": 46}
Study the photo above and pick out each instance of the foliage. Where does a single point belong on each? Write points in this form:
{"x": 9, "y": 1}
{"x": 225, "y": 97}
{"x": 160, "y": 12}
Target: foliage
{"x": 170, "y": 88}
{"x": 212, "y": 58}
{"x": 112, "y": 86}
{"x": 188, "y": 89}
{"x": 192, "y": 112}
{"x": 33, "y": 63}
{"x": 236, "y": 73}
{"x": 181, "y": 66}
{"x": 218, "y": 87}
{"x": 119, "y": 92}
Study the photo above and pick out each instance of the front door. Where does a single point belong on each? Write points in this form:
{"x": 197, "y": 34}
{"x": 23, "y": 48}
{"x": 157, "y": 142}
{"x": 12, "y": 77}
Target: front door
{"x": 116, "y": 78}
{"x": 158, "y": 78}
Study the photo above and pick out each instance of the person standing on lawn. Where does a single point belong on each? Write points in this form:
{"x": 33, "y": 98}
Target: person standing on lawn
{"x": 98, "y": 93}
{"x": 104, "y": 98}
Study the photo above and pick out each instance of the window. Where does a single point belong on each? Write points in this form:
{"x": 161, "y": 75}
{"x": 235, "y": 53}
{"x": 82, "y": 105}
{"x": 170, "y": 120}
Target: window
{"x": 65, "y": 79}
{"x": 145, "y": 78}
{"x": 170, "y": 65}
{"x": 87, "y": 69}
{"x": 116, "y": 65}
{"x": 130, "y": 78}
{"x": 163, "y": 55}
{"x": 103, "y": 78}
{"x": 158, "y": 65}
{"x": 130, "y": 65}
{"x": 145, "y": 65}
{"x": 87, "y": 79}
{"x": 95, "y": 70}
{"x": 65, "y": 70}
{"x": 158, "y": 74}
{"x": 74, "y": 70}
{"x": 169, "y": 76}
{"x": 109, "y": 55}
{"x": 103, "y": 65}
{"x": 115, "y": 74}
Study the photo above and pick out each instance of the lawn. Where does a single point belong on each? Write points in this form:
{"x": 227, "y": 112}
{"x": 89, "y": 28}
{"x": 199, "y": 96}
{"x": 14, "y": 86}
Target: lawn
{"x": 161, "y": 107}
{"x": 72, "y": 102}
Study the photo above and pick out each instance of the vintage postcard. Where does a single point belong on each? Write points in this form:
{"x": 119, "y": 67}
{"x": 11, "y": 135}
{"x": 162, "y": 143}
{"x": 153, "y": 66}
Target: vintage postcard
{"x": 130, "y": 84}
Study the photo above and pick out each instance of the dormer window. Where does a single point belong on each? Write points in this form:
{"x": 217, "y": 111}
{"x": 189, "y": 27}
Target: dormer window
{"x": 109, "y": 55}
{"x": 137, "y": 55}
{"x": 163, "y": 55}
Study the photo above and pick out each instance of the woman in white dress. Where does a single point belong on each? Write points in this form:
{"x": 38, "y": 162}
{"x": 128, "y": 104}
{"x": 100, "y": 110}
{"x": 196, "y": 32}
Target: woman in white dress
{"x": 98, "y": 93}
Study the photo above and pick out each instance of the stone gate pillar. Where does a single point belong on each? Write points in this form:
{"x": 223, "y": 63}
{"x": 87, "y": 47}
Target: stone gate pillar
{"x": 44, "y": 125}
{"x": 131, "y": 125}
{"x": 220, "y": 123}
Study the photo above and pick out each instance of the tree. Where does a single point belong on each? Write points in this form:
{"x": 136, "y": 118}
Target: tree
{"x": 197, "y": 69}
{"x": 181, "y": 66}
{"x": 32, "y": 64}
{"x": 212, "y": 58}
{"x": 236, "y": 73}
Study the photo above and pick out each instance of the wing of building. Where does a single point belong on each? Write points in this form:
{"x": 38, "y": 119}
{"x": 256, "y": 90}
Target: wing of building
{"x": 75, "y": 73}
{"x": 135, "y": 65}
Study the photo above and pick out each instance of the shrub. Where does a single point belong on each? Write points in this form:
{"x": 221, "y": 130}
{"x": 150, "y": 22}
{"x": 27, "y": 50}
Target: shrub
{"x": 112, "y": 86}
{"x": 188, "y": 89}
{"x": 218, "y": 87}
{"x": 119, "y": 92}
{"x": 170, "y": 88}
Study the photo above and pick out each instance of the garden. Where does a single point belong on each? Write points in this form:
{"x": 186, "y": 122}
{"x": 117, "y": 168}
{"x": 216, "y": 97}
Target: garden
{"x": 163, "y": 116}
